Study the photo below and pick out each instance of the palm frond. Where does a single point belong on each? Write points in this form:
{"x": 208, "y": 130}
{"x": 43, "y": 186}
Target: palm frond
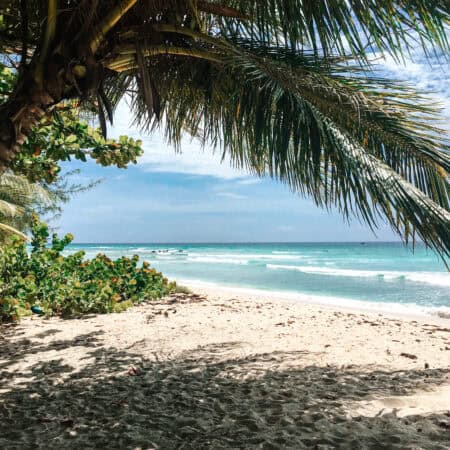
{"x": 330, "y": 26}
{"x": 18, "y": 198}
{"x": 391, "y": 120}
{"x": 18, "y": 190}
{"x": 10, "y": 210}
{"x": 345, "y": 140}
{"x": 7, "y": 230}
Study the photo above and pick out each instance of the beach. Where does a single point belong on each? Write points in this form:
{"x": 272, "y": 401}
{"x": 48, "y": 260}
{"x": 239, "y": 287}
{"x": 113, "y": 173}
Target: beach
{"x": 379, "y": 276}
{"x": 226, "y": 368}
{"x": 225, "y": 225}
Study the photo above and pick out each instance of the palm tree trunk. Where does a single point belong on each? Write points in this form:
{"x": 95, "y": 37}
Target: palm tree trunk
{"x": 18, "y": 116}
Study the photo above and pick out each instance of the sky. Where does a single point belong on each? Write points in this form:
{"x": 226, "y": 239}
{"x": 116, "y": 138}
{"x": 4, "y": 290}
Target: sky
{"x": 193, "y": 197}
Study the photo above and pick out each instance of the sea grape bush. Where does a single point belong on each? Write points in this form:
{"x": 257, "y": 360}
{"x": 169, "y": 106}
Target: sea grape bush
{"x": 64, "y": 135}
{"x": 70, "y": 285}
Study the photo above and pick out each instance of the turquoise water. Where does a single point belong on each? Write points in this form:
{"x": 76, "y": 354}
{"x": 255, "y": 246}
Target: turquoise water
{"x": 372, "y": 272}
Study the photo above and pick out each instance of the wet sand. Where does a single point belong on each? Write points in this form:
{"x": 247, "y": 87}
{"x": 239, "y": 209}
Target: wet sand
{"x": 226, "y": 370}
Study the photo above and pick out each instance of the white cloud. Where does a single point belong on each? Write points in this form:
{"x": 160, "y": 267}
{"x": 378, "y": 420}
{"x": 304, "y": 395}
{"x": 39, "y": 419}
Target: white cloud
{"x": 285, "y": 228}
{"x": 231, "y": 195}
{"x": 249, "y": 181}
{"x": 431, "y": 75}
{"x": 161, "y": 157}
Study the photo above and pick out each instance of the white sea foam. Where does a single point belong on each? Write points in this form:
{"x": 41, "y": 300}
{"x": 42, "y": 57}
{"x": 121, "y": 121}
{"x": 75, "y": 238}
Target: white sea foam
{"x": 284, "y": 256}
{"x": 409, "y": 310}
{"x": 284, "y": 253}
{"x": 250, "y": 256}
{"x": 439, "y": 279}
{"x": 435, "y": 278}
{"x": 218, "y": 260}
{"x": 243, "y": 258}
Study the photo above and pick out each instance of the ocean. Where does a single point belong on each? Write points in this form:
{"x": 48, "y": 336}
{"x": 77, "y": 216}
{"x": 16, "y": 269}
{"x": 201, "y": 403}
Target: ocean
{"x": 387, "y": 276}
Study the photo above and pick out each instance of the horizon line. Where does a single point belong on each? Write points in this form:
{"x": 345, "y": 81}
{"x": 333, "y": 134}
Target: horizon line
{"x": 243, "y": 242}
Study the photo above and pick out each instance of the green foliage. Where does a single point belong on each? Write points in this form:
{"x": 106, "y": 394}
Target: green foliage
{"x": 63, "y": 135}
{"x": 71, "y": 285}
{"x": 7, "y": 82}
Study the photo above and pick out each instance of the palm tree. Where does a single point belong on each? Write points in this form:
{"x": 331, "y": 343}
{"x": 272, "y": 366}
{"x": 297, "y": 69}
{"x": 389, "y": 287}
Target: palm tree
{"x": 283, "y": 86}
{"x": 18, "y": 200}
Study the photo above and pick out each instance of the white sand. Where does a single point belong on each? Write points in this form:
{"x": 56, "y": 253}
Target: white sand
{"x": 238, "y": 370}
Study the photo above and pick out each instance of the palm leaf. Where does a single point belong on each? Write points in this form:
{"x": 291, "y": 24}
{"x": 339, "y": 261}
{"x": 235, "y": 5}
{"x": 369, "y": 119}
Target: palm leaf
{"x": 18, "y": 197}
{"x": 346, "y": 141}
{"x": 7, "y": 230}
{"x": 329, "y": 26}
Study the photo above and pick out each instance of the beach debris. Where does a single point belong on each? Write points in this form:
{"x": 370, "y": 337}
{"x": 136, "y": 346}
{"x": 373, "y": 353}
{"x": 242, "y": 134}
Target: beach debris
{"x": 37, "y": 310}
{"x": 120, "y": 402}
{"x": 408, "y": 355}
{"x": 66, "y": 421}
{"x": 181, "y": 297}
{"x": 132, "y": 371}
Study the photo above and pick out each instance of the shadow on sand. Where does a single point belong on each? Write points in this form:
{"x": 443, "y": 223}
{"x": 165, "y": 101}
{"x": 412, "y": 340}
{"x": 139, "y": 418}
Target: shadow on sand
{"x": 204, "y": 399}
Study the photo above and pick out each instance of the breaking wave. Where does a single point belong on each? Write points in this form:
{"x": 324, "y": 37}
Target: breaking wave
{"x": 435, "y": 278}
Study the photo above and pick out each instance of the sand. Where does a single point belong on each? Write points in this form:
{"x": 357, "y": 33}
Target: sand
{"x": 226, "y": 369}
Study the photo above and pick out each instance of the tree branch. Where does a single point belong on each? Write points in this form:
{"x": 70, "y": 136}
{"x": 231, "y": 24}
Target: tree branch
{"x": 9, "y": 229}
{"x": 49, "y": 35}
{"x": 220, "y": 10}
{"x": 167, "y": 28}
{"x": 127, "y": 59}
{"x": 110, "y": 20}
{"x": 24, "y": 19}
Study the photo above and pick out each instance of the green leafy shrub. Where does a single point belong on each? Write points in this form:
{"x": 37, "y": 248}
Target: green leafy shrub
{"x": 64, "y": 135}
{"x": 70, "y": 285}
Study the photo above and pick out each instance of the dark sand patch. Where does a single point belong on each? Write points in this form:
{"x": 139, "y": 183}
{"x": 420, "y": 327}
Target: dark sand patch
{"x": 133, "y": 381}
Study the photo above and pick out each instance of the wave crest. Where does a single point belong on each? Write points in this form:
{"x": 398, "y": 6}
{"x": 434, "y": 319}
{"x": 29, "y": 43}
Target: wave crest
{"x": 435, "y": 278}
{"x": 214, "y": 260}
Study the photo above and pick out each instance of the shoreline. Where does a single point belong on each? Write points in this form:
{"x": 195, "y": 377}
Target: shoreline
{"x": 400, "y": 311}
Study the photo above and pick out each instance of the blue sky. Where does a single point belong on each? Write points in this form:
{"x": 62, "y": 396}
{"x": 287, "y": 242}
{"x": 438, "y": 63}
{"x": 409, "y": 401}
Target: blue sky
{"x": 191, "y": 197}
